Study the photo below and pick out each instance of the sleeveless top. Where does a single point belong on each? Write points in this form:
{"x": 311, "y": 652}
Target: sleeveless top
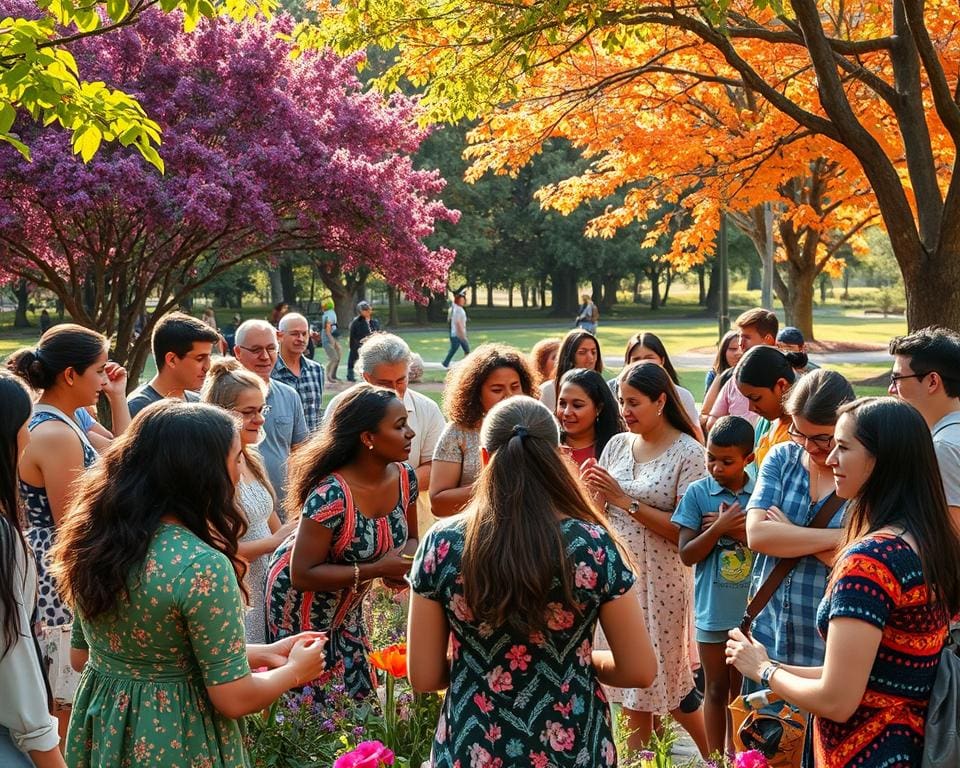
{"x": 40, "y": 529}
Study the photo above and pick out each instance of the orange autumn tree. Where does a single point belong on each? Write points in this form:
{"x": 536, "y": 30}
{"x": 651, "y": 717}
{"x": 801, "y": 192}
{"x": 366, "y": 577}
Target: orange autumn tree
{"x": 869, "y": 86}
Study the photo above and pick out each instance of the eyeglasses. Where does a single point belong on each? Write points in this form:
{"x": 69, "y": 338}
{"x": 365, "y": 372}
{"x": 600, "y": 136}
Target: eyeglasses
{"x": 894, "y": 378}
{"x": 823, "y": 442}
{"x": 260, "y": 351}
{"x": 251, "y": 412}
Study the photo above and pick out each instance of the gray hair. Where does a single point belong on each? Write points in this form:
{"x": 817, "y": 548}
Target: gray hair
{"x": 380, "y": 348}
{"x": 240, "y": 335}
{"x": 289, "y": 318}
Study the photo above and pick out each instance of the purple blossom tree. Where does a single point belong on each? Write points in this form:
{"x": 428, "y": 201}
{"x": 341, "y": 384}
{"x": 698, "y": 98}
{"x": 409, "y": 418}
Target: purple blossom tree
{"x": 264, "y": 154}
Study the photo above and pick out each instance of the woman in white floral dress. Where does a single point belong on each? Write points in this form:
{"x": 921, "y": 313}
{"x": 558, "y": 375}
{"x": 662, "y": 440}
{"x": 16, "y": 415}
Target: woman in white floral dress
{"x": 641, "y": 476}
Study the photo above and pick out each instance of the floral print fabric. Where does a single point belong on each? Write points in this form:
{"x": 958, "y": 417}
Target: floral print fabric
{"x": 142, "y": 698}
{"x": 356, "y": 539}
{"x": 524, "y": 700}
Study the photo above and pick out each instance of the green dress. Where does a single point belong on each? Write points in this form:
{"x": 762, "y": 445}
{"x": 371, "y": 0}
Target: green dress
{"x": 142, "y": 698}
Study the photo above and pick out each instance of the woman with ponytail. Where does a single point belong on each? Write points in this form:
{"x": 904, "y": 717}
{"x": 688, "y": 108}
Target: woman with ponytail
{"x": 520, "y": 580}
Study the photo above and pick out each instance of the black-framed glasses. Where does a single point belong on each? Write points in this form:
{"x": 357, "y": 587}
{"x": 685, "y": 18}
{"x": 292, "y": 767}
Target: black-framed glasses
{"x": 258, "y": 351}
{"x": 895, "y": 377}
{"x": 823, "y": 442}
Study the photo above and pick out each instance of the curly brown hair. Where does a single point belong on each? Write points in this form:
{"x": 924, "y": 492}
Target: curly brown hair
{"x": 461, "y": 393}
{"x": 540, "y": 356}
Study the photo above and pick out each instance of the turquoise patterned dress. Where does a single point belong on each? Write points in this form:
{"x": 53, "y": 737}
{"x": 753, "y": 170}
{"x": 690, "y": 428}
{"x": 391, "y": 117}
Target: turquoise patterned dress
{"x": 356, "y": 539}
{"x": 518, "y": 701}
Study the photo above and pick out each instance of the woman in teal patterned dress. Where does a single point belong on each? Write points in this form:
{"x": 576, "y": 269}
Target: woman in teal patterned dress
{"x": 520, "y": 580}
{"x": 356, "y": 497}
{"x": 147, "y": 560}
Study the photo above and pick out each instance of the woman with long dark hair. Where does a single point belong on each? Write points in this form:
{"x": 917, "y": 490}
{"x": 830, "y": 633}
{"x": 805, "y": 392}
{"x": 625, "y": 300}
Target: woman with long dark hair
{"x": 764, "y": 376}
{"x": 888, "y": 603}
{"x": 728, "y": 354}
{"x": 519, "y": 582}
{"x": 356, "y": 498}
{"x": 147, "y": 559}
{"x": 640, "y": 477}
{"x": 588, "y": 414}
{"x": 28, "y": 732}
{"x": 489, "y": 374}
{"x": 579, "y": 349}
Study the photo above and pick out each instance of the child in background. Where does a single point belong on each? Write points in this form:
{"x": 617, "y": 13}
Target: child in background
{"x": 711, "y": 516}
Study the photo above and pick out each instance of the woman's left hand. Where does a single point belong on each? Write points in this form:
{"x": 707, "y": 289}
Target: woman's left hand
{"x": 746, "y": 654}
{"x": 602, "y": 483}
{"x": 116, "y": 385}
{"x": 275, "y": 655}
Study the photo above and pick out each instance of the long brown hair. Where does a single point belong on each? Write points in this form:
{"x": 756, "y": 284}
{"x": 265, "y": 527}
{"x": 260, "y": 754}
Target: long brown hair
{"x": 170, "y": 461}
{"x": 905, "y": 490}
{"x": 652, "y": 380}
{"x": 513, "y": 546}
{"x": 567, "y": 355}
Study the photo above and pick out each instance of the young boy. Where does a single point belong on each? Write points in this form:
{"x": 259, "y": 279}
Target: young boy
{"x": 711, "y": 517}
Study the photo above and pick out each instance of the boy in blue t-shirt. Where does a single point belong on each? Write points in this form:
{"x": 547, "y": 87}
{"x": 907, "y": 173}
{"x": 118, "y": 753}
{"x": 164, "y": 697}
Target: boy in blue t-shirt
{"x": 711, "y": 516}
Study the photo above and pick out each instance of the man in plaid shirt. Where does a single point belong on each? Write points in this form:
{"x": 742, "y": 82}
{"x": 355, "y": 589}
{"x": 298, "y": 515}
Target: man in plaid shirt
{"x": 293, "y": 367}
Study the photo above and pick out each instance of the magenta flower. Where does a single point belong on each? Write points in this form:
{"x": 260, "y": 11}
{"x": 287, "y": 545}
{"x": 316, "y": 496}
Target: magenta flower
{"x": 752, "y": 758}
{"x": 368, "y": 754}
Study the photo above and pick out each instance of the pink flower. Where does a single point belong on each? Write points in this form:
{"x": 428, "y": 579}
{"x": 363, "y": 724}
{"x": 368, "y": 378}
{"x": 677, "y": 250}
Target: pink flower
{"x": 560, "y": 738}
{"x": 609, "y": 752}
{"x": 537, "y": 638}
{"x": 483, "y": 703}
{"x": 586, "y": 577}
{"x": 500, "y": 680}
{"x": 753, "y": 758}
{"x": 564, "y": 709}
{"x": 519, "y": 658}
{"x": 430, "y": 561}
{"x": 585, "y": 653}
{"x": 368, "y": 754}
{"x": 599, "y": 555}
{"x": 442, "y": 549}
{"x": 460, "y": 608}
{"x": 557, "y": 617}
{"x": 493, "y": 733}
{"x": 539, "y": 760}
{"x": 480, "y": 758}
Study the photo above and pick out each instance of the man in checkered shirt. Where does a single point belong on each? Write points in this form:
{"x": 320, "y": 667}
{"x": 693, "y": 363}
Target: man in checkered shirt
{"x": 293, "y": 367}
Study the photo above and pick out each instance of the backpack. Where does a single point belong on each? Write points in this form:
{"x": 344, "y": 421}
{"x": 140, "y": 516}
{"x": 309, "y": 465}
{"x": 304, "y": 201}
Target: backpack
{"x": 941, "y": 735}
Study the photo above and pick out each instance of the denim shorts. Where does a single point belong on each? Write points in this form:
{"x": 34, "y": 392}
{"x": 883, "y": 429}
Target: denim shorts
{"x": 711, "y": 635}
{"x": 10, "y": 755}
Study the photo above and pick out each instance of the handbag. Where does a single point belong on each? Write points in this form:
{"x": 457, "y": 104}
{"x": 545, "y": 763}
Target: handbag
{"x": 765, "y": 722}
{"x": 941, "y": 735}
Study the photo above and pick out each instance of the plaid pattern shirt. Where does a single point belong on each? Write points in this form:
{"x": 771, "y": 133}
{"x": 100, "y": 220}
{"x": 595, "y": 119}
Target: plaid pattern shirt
{"x": 787, "y": 625}
{"x": 309, "y": 385}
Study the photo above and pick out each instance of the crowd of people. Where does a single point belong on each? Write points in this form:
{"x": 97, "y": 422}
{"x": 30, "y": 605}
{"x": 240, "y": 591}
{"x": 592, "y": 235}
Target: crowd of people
{"x": 568, "y": 541}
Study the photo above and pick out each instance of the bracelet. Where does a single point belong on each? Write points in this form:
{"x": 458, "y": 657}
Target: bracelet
{"x": 356, "y": 577}
{"x": 767, "y": 673}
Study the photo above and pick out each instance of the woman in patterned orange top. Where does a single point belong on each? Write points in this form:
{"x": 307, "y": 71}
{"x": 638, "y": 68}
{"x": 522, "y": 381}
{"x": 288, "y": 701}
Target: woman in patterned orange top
{"x": 894, "y": 585}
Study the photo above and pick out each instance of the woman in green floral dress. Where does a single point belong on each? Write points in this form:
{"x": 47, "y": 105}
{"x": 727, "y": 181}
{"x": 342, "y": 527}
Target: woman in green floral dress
{"x": 147, "y": 560}
{"x": 356, "y": 497}
{"x": 514, "y": 587}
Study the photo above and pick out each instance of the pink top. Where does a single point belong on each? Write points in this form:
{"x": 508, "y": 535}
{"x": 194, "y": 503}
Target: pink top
{"x": 731, "y": 402}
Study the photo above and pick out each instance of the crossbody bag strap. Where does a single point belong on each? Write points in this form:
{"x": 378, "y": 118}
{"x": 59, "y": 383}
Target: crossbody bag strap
{"x": 785, "y": 565}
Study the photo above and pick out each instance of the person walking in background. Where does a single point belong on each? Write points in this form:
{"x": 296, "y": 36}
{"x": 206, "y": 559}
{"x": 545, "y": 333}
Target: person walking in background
{"x": 489, "y": 374}
{"x": 458, "y": 327}
{"x": 926, "y": 374}
{"x": 587, "y": 315}
{"x": 355, "y": 495}
{"x": 523, "y": 676}
{"x": 330, "y": 339}
{"x": 297, "y": 370}
{"x": 891, "y": 593}
{"x": 28, "y": 732}
{"x": 588, "y": 415}
{"x": 360, "y": 327}
{"x": 235, "y": 389}
{"x": 640, "y": 478}
{"x": 182, "y": 351}
{"x": 284, "y": 425}
{"x": 148, "y": 562}
{"x": 711, "y": 517}
{"x": 579, "y": 349}
{"x": 279, "y": 310}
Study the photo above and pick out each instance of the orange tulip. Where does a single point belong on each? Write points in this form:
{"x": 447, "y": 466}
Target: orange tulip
{"x": 392, "y": 659}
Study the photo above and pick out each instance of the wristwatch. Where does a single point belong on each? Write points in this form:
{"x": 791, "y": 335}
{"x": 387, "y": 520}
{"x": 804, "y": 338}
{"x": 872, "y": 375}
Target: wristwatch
{"x": 634, "y": 507}
{"x": 767, "y": 672}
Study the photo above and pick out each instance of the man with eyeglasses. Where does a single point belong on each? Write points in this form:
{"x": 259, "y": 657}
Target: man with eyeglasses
{"x": 182, "y": 347}
{"x": 297, "y": 370}
{"x": 284, "y": 426}
{"x": 926, "y": 374}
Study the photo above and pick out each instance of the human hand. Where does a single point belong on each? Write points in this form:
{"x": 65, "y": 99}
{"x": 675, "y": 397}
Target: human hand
{"x": 707, "y": 520}
{"x": 603, "y": 484}
{"x": 306, "y": 658}
{"x": 275, "y": 654}
{"x": 116, "y": 385}
{"x": 281, "y": 534}
{"x": 746, "y": 654}
{"x": 731, "y": 520}
{"x": 395, "y": 564}
{"x": 775, "y": 515}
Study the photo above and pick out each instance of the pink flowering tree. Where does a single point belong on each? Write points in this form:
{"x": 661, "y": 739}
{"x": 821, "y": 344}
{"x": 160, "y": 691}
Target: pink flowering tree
{"x": 264, "y": 154}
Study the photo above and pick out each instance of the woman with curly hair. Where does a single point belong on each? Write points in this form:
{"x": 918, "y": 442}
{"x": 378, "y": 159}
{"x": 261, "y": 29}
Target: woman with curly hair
{"x": 489, "y": 374}
{"x": 543, "y": 358}
{"x": 148, "y": 560}
{"x": 579, "y": 349}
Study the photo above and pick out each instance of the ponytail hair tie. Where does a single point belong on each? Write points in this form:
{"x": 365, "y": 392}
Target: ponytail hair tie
{"x": 519, "y": 430}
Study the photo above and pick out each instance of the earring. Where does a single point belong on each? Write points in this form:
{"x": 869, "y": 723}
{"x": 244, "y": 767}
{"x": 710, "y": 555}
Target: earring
{"x": 370, "y": 447}
{"x": 660, "y": 412}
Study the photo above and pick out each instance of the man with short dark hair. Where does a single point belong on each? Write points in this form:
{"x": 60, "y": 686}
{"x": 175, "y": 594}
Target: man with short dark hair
{"x": 293, "y": 367}
{"x": 926, "y": 374}
{"x": 458, "y": 327}
{"x": 182, "y": 348}
{"x": 755, "y": 327}
{"x": 360, "y": 327}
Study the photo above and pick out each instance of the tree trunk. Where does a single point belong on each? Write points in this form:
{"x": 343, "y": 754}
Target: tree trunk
{"x": 489, "y": 287}
{"x": 668, "y": 283}
{"x": 702, "y": 285}
{"x": 393, "y": 303}
{"x": 754, "y": 278}
{"x": 437, "y": 308}
{"x": 637, "y": 282}
{"x": 564, "y": 286}
{"x": 798, "y": 303}
{"x": 421, "y": 310}
{"x": 22, "y": 292}
{"x": 510, "y": 295}
{"x": 473, "y": 294}
{"x": 712, "y": 301}
{"x": 524, "y": 294}
{"x": 611, "y": 284}
{"x": 543, "y": 291}
{"x": 596, "y": 292}
{"x": 276, "y": 287}
{"x": 288, "y": 286}
{"x": 654, "y": 274}
{"x": 846, "y": 284}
